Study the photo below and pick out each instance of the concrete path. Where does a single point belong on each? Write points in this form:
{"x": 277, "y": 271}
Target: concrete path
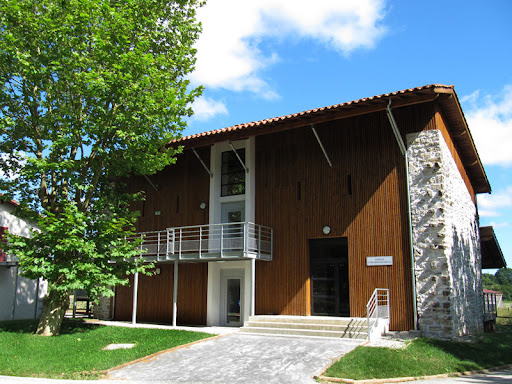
{"x": 241, "y": 358}
{"x": 498, "y": 377}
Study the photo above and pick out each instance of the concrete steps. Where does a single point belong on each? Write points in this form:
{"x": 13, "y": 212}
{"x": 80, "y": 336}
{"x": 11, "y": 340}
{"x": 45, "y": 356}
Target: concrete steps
{"x": 308, "y": 326}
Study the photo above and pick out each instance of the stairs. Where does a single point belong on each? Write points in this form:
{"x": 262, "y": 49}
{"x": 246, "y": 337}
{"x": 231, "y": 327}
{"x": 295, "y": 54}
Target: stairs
{"x": 308, "y": 326}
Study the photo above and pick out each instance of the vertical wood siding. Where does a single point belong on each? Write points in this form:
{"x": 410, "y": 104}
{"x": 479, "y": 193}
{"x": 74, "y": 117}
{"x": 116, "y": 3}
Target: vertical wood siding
{"x": 181, "y": 189}
{"x": 362, "y": 197}
{"x": 372, "y": 217}
{"x": 154, "y": 303}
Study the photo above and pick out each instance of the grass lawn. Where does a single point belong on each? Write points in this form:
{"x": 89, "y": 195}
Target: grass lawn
{"x": 426, "y": 357}
{"x": 77, "y": 352}
{"x": 505, "y": 314}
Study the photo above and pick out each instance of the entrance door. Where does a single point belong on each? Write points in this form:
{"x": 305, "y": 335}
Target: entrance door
{"x": 233, "y": 302}
{"x": 329, "y": 277}
{"x": 232, "y": 294}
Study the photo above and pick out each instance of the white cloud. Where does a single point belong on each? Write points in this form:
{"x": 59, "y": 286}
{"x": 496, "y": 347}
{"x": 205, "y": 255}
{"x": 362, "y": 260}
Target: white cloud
{"x": 488, "y": 213}
{"x": 495, "y": 204}
{"x": 490, "y": 121}
{"x": 231, "y": 54}
{"x": 499, "y": 225}
{"x": 205, "y": 108}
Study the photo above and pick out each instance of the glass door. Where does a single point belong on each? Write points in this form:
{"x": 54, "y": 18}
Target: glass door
{"x": 232, "y": 294}
{"x": 329, "y": 277}
{"x": 233, "y": 234}
{"x": 233, "y": 306}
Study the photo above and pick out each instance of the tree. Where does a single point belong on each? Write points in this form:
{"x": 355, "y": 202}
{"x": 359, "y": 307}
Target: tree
{"x": 501, "y": 281}
{"x": 504, "y": 276}
{"x": 91, "y": 90}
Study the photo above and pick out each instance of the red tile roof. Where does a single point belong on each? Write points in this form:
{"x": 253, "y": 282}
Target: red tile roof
{"x": 14, "y": 203}
{"x": 443, "y": 94}
{"x": 313, "y": 111}
{"x": 489, "y": 291}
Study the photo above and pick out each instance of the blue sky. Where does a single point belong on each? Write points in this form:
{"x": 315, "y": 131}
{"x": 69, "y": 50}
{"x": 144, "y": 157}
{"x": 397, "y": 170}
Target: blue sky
{"x": 270, "y": 58}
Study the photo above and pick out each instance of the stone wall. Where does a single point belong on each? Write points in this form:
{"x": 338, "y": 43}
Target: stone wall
{"x": 446, "y": 241}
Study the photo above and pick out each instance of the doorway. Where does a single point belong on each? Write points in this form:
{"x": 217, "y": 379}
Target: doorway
{"x": 329, "y": 277}
{"x": 232, "y": 293}
{"x": 233, "y": 234}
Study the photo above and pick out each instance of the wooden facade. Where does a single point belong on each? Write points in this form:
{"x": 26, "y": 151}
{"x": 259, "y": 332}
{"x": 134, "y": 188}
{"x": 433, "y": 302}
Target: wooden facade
{"x": 175, "y": 202}
{"x": 369, "y": 212}
{"x": 362, "y": 197}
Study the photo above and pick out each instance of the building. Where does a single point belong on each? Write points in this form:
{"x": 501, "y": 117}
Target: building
{"x": 496, "y": 297}
{"x": 307, "y": 214}
{"x": 21, "y": 298}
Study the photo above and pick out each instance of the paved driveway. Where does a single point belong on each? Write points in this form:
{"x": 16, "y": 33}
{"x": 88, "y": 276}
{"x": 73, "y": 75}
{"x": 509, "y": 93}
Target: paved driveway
{"x": 241, "y": 358}
{"x": 498, "y": 377}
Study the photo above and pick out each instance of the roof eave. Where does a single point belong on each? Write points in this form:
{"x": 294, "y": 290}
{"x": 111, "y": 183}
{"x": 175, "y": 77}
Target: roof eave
{"x": 443, "y": 94}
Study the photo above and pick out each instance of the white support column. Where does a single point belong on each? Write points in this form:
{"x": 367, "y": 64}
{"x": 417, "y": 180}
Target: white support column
{"x": 253, "y": 286}
{"x": 175, "y": 295}
{"x": 135, "y": 293}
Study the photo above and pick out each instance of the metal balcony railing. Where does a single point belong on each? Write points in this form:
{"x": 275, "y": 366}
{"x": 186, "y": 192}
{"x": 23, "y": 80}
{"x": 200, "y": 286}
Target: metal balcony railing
{"x": 212, "y": 242}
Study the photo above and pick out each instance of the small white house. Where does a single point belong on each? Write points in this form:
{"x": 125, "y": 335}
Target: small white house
{"x": 495, "y": 296}
{"x": 20, "y": 298}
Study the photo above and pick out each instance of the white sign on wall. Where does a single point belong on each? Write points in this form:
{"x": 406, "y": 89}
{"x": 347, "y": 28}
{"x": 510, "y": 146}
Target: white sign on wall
{"x": 372, "y": 261}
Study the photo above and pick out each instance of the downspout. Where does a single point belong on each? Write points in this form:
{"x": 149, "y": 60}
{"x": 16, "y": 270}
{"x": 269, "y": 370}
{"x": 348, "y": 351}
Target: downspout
{"x": 403, "y": 149}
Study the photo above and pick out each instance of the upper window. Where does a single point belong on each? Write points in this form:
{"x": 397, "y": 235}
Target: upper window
{"x": 233, "y": 173}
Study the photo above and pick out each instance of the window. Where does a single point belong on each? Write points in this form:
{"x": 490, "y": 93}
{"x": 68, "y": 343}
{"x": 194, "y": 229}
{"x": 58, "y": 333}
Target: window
{"x": 233, "y": 173}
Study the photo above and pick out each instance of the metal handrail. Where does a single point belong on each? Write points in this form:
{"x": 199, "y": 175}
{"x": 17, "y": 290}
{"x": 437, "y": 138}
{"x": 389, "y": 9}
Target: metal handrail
{"x": 377, "y": 308}
{"x": 240, "y": 240}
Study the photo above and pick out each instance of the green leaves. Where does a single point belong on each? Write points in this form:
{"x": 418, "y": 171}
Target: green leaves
{"x": 78, "y": 250}
{"x": 91, "y": 91}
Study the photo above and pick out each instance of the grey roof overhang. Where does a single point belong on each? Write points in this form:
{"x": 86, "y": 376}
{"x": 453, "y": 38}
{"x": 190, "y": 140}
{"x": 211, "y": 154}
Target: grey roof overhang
{"x": 492, "y": 256}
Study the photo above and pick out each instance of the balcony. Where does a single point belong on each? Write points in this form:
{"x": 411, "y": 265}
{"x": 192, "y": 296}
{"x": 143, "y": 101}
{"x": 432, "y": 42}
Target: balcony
{"x": 213, "y": 242}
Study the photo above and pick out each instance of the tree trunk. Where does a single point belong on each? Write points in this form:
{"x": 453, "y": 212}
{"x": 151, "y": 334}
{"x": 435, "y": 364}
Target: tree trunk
{"x": 54, "y": 309}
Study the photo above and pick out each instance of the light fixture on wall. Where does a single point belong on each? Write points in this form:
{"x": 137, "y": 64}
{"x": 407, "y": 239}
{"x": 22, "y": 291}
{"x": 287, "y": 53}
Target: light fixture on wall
{"x": 158, "y": 271}
{"x": 326, "y": 230}
{"x": 202, "y": 206}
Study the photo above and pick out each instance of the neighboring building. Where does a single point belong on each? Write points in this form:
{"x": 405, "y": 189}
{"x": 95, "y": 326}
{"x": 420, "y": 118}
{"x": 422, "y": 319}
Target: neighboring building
{"x": 323, "y": 200}
{"x": 21, "y": 298}
{"x": 495, "y": 297}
